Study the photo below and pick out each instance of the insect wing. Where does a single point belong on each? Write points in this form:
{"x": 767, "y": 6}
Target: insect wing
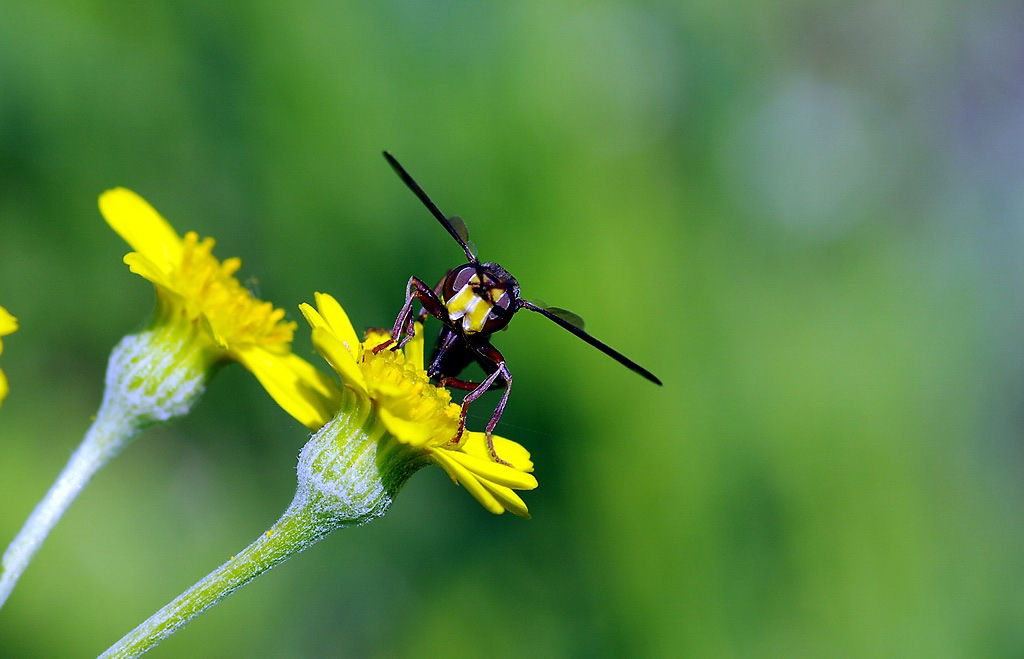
{"x": 460, "y": 227}
{"x": 567, "y": 316}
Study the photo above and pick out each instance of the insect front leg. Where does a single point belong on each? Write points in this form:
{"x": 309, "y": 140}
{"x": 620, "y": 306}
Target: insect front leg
{"x": 404, "y": 323}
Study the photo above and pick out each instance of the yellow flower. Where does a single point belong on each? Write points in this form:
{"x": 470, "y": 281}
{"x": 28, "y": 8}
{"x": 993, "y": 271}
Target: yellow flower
{"x": 8, "y": 324}
{"x": 415, "y": 413}
{"x": 198, "y": 295}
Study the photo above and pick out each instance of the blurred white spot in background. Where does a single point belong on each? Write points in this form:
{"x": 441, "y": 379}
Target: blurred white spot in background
{"x": 804, "y": 160}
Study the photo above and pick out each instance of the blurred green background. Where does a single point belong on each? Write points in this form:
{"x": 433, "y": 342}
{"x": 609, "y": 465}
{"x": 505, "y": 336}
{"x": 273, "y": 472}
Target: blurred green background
{"x": 804, "y": 216}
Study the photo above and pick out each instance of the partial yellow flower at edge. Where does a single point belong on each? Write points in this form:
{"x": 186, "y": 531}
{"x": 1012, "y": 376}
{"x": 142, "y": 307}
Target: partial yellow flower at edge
{"x": 198, "y": 291}
{"x": 416, "y": 413}
{"x": 8, "y": 325}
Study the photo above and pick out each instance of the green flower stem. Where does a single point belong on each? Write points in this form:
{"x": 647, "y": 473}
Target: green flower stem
{"x": 105, "y": 439}
{"x": 348, "y": 474}
{"x": 298, "y": 528}
{"x": 151, "y": 376}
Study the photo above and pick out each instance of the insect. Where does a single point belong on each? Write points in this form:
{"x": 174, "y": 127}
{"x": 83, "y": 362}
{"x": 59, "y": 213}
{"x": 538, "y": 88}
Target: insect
{"x": 473, "y": 301}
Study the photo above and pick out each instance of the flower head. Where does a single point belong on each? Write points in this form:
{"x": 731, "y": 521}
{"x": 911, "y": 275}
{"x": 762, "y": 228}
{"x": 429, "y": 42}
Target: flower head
{"x": 8, "y": 324}
{"x": 198, "y": 296}
{"x": 416, "y": 414}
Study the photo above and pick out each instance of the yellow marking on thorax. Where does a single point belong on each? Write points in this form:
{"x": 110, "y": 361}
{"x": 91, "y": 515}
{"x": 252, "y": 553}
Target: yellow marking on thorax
{"x": 472, "y": 309}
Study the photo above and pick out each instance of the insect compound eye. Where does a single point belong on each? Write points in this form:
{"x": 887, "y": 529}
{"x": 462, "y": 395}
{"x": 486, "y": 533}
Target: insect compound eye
{"x": 462, "y": 276}
{"x": 499, "y": 314}
{"x": 457, "y": 279}
{"x": 503, "y": 303}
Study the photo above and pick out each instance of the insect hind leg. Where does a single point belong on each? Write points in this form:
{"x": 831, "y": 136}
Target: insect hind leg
{"x": 475, "y": 391}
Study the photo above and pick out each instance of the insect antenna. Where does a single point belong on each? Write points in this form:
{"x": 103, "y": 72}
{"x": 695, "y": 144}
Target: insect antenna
{"x": 574, "y": 324}
{"x": 452, "y": 225}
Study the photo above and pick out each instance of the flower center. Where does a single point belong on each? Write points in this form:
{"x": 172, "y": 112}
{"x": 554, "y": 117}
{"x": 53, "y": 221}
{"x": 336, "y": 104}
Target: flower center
{"x": 236, "y": 317}
{"x": 405, "y": 389}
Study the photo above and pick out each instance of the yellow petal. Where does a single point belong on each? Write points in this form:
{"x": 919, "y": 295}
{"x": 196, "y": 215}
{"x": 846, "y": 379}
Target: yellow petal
{"x": 141, "y": 227}
{"x": 475, "y": 443}
{"x": 3, "y": 386}
{"x": 8, "y": 323}
{"x": 469, "y": 481}
{"x": 495, "y": 472}
{"x": 340, "y": 359}
{"x": 314, "y": 378}
{"x": 145, "y": 268}
{"x": 294, "y": 384}
{"x": 409, "y": 432}
{"x": 313, "y": 316}
{"x": 509, "y": 499}
{"x": 338, "y": 320}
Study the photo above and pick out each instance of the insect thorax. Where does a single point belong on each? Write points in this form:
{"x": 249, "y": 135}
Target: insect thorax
{"x": 479, "y": 297}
